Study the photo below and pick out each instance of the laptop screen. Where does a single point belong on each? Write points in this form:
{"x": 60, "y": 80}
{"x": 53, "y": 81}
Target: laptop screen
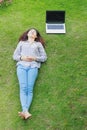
{"x": 55, "y": 16}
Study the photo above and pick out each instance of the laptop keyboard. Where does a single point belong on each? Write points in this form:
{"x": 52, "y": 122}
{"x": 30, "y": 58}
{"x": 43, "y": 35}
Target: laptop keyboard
{"x": 55, "y": 26}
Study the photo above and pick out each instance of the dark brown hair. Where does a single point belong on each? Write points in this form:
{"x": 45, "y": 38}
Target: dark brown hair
{"x": 39, "y": 38}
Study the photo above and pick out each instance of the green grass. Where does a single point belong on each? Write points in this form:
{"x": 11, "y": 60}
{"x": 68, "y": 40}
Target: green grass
{"x": 60, "y": 94}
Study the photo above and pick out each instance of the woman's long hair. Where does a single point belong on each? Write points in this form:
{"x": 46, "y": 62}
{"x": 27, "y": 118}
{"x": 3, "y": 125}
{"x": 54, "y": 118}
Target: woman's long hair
{"x": 24, "y": 37}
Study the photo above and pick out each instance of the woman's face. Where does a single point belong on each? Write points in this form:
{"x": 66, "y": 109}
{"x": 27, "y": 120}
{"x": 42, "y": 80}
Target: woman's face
{"x": 32, "y": 34}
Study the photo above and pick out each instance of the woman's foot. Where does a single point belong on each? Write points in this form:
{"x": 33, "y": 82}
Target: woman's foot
{"x": 24, "y": 115}
{"x": 21, "y": 114}
{"x": 27, "y": 115}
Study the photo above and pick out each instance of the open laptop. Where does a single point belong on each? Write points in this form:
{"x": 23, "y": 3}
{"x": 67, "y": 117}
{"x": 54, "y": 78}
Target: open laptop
{"x": 55, "y": 21}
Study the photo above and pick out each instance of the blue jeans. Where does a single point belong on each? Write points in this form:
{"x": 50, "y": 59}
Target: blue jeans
{"x": 26, "y": 77}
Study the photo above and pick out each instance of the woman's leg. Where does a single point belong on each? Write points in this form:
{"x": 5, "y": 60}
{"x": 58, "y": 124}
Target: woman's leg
{"x": 32, "y": 75}
{"x": 22, "y": 77}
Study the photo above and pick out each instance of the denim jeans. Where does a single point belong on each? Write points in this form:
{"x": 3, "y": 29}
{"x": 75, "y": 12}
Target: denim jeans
{"x": 26, "y": 77}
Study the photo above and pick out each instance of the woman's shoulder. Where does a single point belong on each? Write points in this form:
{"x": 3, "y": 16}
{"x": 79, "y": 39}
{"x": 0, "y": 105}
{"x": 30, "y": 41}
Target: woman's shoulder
{"x": 21, "y": 42}
{"x": 38, "y": 43}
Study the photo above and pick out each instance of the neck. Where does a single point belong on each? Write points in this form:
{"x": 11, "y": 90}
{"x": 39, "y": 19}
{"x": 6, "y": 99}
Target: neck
{"x": 31, "y": 40}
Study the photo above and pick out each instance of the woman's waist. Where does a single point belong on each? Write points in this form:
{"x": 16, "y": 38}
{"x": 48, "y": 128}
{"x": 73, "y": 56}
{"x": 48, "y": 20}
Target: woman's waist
{"x": 32, "y": 64}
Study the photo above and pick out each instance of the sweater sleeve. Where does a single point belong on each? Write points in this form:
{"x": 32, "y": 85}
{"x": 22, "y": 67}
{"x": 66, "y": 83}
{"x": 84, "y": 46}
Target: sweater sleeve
{"x": 42, "y": 57}
{"x": 17, "y": 52}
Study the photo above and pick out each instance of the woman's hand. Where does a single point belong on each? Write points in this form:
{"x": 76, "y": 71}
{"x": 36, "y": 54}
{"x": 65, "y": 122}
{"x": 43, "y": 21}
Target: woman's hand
{"x": 31, "y": 58}
{"x": 28, "y": 58}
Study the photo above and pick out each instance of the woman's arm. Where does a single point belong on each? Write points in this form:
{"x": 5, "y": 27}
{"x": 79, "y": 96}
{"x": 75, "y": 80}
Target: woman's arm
{"x": 17, "y": 52}
{"x": 42, "y": 54}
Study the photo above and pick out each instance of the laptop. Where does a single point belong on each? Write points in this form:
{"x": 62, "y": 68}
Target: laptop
{"x": 55, "y": 21}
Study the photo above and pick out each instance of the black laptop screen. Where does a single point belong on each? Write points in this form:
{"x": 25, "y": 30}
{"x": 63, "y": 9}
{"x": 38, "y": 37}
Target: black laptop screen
{"x": 55, "y": 16}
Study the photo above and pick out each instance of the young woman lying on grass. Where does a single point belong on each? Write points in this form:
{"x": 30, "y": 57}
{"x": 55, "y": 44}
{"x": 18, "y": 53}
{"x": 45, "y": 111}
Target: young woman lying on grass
{"x": 29, "y": 54}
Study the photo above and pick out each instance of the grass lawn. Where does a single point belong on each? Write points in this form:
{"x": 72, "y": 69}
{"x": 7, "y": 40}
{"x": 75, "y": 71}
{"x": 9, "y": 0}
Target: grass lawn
{"x": 60, "y": 93}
